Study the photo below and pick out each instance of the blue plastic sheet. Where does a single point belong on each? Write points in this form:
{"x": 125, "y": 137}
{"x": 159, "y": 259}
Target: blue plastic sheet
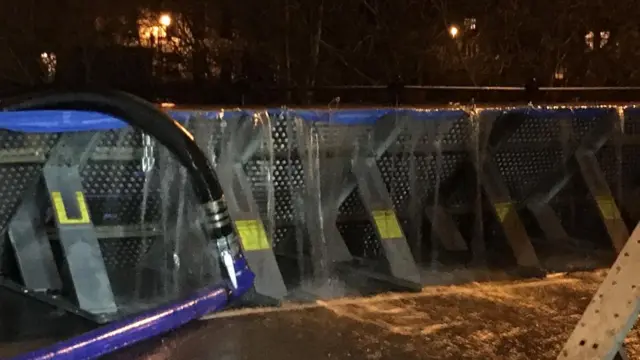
{"x": 48, "y": 121}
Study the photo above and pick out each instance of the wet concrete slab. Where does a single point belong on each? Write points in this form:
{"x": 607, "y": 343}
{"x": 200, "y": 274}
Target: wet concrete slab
{"x": 506, "y": 320}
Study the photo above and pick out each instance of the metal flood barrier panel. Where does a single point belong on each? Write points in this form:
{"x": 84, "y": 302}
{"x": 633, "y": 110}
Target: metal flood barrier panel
{"x": 94, "y": 222}
{"x": 393, "y": 195}
{"x": 400, "y": 194}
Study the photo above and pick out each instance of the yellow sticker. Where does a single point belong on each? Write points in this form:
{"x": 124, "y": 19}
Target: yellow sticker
{"x": 502, "y": 210}
{"x": 61, "y": 211}
{"x": 387, "y": 224}
{"x": 608, "y": 207}
{"x": 252, "y": 235}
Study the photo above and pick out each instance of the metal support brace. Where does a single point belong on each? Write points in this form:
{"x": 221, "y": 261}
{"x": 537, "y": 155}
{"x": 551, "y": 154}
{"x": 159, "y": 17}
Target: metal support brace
{"x": 538, "y": 204}
{"x": 82, "y": 263}
{"x": 445, "y": 228}
{"x": 30, "y": 241}
{"x": 243, "y": 136}
{"x": 580, "y": 160}
{"x": 324, "y": 177}
{"x": 597, "y": 183}
{"x": 599, "y": 189}
{"x": 443, "y": 225}
{"x": 377, "y": 201}
{"x": 503, "y": 206}
{"x": 548, "y": 220}
{"x": 612, "y": 312}
{"x": 545, "y": 215}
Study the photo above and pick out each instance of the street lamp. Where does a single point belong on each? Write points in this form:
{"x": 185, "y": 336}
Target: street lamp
{"x": 453, "y": 31}
{"x": 165, "y": 20}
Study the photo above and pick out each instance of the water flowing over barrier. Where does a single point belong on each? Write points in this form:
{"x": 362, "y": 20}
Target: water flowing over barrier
{"x": 327, "y": 202}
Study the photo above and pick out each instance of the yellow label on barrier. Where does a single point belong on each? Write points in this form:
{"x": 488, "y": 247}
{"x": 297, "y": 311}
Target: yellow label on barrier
{"x": 252, "y": 235}
{"x": 502, "y": 210}
{"x": 387, "y": 224}
{"x": 61, "y": 211}
{"x": 608, "y": 207}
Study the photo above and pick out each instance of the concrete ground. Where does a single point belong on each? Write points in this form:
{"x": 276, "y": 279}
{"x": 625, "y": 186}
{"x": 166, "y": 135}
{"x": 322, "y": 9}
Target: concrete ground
{"x": 507, "y": 320}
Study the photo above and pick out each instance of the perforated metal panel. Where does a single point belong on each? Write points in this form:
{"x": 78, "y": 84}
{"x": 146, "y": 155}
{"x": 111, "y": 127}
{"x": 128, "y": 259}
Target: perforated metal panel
{"x": 115, "y": 193}
{"x": 430, "y": 172}
{"x": 620, "y": 164}
{"x": 120, "y": 193}
{"x": 122, "y": 253}
{"x": 522, "y": 170}
{"x": 540, "y": 145}
{"x": 117, "y": 139}
{"x": 619, "y": 160}
{"x": 578, "y": 213}
{"x": 536, "y": 130}
{"x": 534, "y": 149}
{"x": 332, "y": 138}
{"x": 409, "y": 162}
{"x": 18, "y": 173}
{"x": 277, "y": 178}
{"x": 460, "y": 133}
{"x": 361, "y": 239}
{"x": 582, "y": 125}
{"x": 283, "y": 134}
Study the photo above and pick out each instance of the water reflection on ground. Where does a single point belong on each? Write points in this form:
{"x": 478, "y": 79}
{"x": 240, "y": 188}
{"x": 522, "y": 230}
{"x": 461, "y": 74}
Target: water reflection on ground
{"x": 509, "y": 320}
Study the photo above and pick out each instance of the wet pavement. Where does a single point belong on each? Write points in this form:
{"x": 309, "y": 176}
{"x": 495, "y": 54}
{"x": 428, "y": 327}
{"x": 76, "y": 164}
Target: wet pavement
{"x": 27, "y": 325}
{"x": 507, "y": 320}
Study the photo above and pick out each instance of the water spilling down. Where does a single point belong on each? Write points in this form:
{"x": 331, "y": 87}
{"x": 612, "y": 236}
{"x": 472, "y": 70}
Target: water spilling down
{"x": 351, "y": 208}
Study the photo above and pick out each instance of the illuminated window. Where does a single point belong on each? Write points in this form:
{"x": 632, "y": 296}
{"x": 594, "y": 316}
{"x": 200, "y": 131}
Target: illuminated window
{"x": 49, "y": 63}
{"x": 470, "y": 23}
{"x": 604, "y": 38}
{"x": 588, "y": 39}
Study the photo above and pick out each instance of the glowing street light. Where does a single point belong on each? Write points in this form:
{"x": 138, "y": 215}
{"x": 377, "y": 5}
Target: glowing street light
{"x": 165, "y": 20}
{"x": 453, "y": 31}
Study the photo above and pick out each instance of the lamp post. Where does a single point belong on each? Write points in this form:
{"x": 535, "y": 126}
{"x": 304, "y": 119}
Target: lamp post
{"x": 454, "y": 31}
{"x": 165, "y": 20}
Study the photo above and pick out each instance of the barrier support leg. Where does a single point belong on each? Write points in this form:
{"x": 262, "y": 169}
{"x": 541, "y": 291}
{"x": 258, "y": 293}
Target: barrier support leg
{"x": 548, "y": 221}
{"x": 500, "y": 199}
{"x": 380, "y": 207}
{"x": 599, "y": 189}
{"x": 243, "y": 139}
{"x": 323, "y": 190}
{"x": 324, "y": 224}
{"x": 76, "y": 236}
{"x": 377, "y": 201}
{"x": 445, "y": 229}
{"x": 31, "y": 246}
{"x": 442, "y": 223}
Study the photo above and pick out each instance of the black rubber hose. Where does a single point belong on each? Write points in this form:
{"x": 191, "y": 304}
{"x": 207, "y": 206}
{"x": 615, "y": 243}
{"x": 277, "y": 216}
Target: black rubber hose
{"x": 151, "y": 120}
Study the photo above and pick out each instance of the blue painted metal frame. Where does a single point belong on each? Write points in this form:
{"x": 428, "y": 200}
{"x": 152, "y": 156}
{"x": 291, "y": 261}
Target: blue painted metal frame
{"x": 109, "y": 338}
